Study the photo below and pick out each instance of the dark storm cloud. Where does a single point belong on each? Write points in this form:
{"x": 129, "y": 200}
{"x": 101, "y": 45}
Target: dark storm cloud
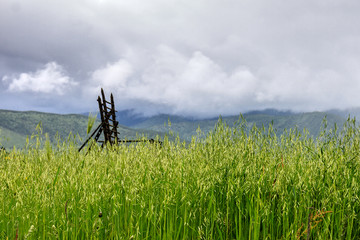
{"x": 189, "y": 57}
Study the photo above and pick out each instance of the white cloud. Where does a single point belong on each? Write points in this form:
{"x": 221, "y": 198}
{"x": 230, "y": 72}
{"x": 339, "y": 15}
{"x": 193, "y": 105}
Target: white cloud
{"x": 184, "y": 85}
{"x": 113, "y": 76}
{"x": 50, "y": 79}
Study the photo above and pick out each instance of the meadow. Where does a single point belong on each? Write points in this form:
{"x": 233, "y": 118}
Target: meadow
{"x": 234, "y": 183}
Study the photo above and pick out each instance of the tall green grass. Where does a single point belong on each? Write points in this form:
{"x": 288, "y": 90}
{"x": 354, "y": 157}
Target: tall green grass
{"x": 233, "y": 184}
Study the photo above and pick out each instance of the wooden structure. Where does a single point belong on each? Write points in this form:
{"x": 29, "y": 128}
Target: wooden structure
{"x": 108, "y": 119}
{"x": 108, "y": 125}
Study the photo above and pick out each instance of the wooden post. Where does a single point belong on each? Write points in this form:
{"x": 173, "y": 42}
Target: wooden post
{"x": 115, "y": 123}
{"x": 105, "y": 120}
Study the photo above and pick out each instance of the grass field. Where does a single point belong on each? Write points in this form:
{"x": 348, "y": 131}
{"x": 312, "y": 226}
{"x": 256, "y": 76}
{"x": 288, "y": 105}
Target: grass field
{"x": 233, "y": 184}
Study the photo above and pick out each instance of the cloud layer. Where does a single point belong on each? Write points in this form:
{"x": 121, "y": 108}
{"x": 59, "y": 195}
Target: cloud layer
{"x": 196, "y": 85}
{"x": 178, "y": 84}
{"x": 198, "y": 58}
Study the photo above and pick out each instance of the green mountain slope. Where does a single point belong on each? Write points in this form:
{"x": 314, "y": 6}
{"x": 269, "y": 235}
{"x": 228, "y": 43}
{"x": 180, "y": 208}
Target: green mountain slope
{"x": 15, "y": 126}
{"x": 187, "y": 128}
{"x": 9, "y": 139}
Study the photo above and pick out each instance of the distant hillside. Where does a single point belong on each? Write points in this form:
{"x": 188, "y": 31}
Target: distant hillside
{"x": 350, "y": 112}
{"x": 129, "y": 118}
{"x": 186, "y": 128}
{"x": 15, "y": 126}
{"x": 311, "y": 121}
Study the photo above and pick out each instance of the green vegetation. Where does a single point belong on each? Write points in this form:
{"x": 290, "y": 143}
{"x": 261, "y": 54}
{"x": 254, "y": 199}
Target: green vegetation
{"x": 233, "y": 184}
{"x": 16, "y": 126}
{"x": 187, "y": 128}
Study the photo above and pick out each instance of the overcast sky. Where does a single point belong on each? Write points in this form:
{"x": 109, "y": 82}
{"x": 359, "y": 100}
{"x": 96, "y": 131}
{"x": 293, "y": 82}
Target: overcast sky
{"x": 192, "y": 57}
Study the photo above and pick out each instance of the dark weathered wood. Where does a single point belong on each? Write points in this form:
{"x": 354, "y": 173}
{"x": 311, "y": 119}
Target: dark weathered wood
{"x": 107, "y": 114}
{"x": 98, "y": 130}
{"x": 113, "y": 114}
{"x": 140, "y": 140}
{"x": 109, "y": 125}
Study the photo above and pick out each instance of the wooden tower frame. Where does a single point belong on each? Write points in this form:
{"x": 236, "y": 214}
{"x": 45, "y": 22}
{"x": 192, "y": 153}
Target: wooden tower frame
{"x": 109, "y": 125}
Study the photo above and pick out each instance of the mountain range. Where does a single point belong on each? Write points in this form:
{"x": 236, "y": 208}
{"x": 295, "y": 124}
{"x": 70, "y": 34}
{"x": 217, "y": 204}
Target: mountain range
{"x": 15, "y": 126}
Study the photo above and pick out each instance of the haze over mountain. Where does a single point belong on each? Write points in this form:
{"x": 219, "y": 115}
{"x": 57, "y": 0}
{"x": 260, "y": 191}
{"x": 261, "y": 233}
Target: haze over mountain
{"x": 16, "y": 126}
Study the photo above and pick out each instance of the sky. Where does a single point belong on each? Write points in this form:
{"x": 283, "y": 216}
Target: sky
{"x": 198, "y": 58}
